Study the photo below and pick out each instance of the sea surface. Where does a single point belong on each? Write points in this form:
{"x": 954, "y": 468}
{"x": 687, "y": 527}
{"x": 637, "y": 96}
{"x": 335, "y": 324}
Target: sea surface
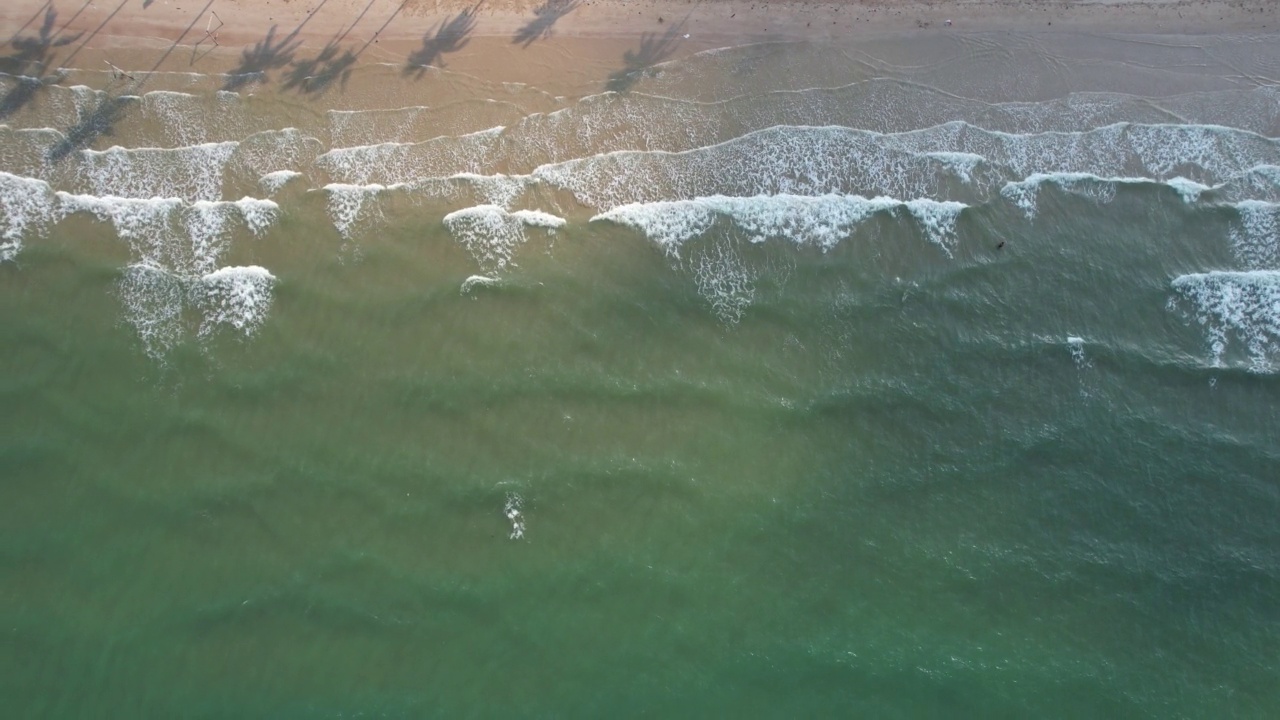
{"x": 931, "y": 376}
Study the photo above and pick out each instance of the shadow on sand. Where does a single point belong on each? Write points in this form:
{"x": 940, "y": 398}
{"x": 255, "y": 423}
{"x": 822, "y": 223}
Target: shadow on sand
{"x": 111, "y": 109}
{"x": 267, "y": 54}
{"x": 638, "y": 64}
{"x": 333, "y": 65}
{"x": 32, "y": 61}
{"x": 450, "y": 36}
{"x": 544, "y": 18}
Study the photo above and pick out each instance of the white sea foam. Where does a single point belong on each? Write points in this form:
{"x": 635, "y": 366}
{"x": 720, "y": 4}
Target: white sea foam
{"x": 499, "y": 189}
{"x": 474, "y": 281}
{"x": 191, "y": 173}
{"x": 347, "y": 206}
{"x": 778, "y": 161}
{"x": 723, "y": 279}
{"x": 513, "y": 510}
{"x": 1190, "y": 190}
{"x": 1076, "y": 345}
{"x": 237, "y": 298}
{"x": 273, "y": 181}
{"x": 272, "y": 150}
{"x": 27, "y": 206}
{"x": 492, "y": 235}
{"x": 153, "y": 302}
{"x": 164, "y": 307}
{"x": 171, "y": 234}
{"x": 1235, "y": 307}
{"x": 1025, "y": 193}
{"x": 960, "y": 163}
{"x": 822, "y": 220}
{"x": 391, "y": 163}
{"x": 826, "y": 160}
{"x": 1256, "y": 238}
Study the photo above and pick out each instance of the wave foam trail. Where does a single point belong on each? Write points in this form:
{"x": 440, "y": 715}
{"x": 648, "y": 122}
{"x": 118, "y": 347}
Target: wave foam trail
{"x": 953, "y": 160}
{"x": 347, "y": 206}
{"x": 26, "y": 205}
{"x": 1236, "y": 306}
{"x": 153, "y": 301}
{"x": 273, "y": 181}
{"x": 1256, "y": 240}
{"x": 151, "y": 227}
{"x": 389, "y": 163}
{"x": 822, "y": 220}
{"x": 234, "y": 297}
{"x": 492, "y": 235}
{"x": 724, "y": 280}
{"x": 1190, "y": 190}
{"x": 157, "y": 302}
{"x": 1102, "y": 190}
{"x": 191, "y": 173}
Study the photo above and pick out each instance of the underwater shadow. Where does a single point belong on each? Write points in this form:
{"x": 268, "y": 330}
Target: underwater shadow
{"x": 544, "y": 18}
{"x": 450, "y": 36}
{"x": 101, "y": 121}
{"x": 638, "y": 64}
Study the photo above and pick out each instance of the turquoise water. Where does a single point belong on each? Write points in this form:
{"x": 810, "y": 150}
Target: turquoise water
{"x": 752, "y": 442}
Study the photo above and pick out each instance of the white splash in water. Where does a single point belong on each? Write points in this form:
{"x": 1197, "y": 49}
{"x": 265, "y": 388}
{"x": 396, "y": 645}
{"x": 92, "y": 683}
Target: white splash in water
{"x": 474, "y": 281}
{"x": 492, "y": 235}
{"x": 1076, "y": 345}
{"x": 1190, "y": 190}
{"x": 961, "y": 164}
{"x": 1256, "y": 239}
{"x": 1101, "y": 190}
{"x": 26, "y": 206}
{"x": 347, "y": 206}
{"x": 1235, "y": 306}
{"x": 234, "y": 297}
{"x": 513, "y": 511}
{"x": 272, "y": 182}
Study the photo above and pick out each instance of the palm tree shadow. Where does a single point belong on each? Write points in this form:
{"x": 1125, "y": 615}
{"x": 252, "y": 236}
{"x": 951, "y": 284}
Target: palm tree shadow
{"x": 449, "y": 36}
{"x": 638, "y": 63}
{"x": 95, "y": 124}
{"x": 315, "y": 75}
{"x": 544, "y": 17}
{"x": 30, "y": 63}
{"x": 267, "y": 54}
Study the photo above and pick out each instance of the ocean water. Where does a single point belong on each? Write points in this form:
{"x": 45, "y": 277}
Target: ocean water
{"x": 924, "y": 376}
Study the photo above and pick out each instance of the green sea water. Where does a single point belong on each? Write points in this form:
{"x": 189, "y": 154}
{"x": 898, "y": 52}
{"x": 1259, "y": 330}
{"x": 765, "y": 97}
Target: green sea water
{"x": 998, "y": 472}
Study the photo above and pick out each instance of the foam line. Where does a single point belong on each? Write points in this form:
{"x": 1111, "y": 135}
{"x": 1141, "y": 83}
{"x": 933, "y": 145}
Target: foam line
{"x": 27, "y": 207}
{"x": 822, "y": 220}
{"x": 1235, "y": 307}
{"x": 492, "y": 235}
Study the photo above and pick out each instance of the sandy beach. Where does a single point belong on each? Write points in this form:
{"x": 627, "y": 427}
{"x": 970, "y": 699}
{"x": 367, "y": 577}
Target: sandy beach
{"x": 390, "y": 31}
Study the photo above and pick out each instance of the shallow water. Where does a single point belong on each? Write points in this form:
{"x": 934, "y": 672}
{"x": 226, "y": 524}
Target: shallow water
{"x": 899, "y": 378}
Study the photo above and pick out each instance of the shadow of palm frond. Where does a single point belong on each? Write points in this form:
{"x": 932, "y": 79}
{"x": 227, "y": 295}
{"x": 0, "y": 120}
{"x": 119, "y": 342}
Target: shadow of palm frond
{"x": 100, "y": 121}
{"x": 544, "y": 18}
{"x": 449, "y": 36}
{"x": 315, "y": 75}
{"x": 638, "y": 63}
{"x": 30, "y": 63}
{"x": 265, "y": 55}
